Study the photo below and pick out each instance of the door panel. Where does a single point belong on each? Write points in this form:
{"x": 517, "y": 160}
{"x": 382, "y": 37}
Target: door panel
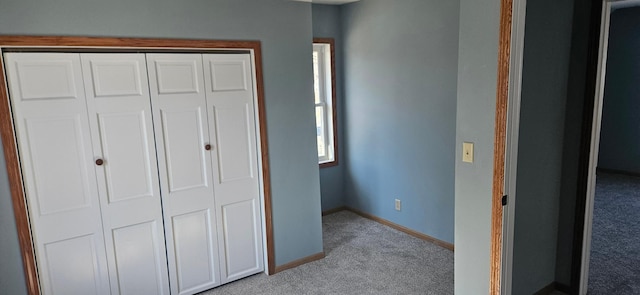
{"x": 192, "y": 246}
{"x": 178, "y": 76}
{"x": 116, "y": 77}
{"x": 72, "y": 266}
{"x": 233, "y": 140}
{"x": 58, "y": 142}
{"x": 47, "y": 79}
{"x": 184, "y": 141}
{"x": 122, "y": 134}
{"x": 228, "y": 74}
{"x": 54, "y": 142}
{"x": 230, "y": 106}
{"x": 177, "y": 94}
{"x": 138, "y": 259}
{"x": 124, "y": 140}
{"x": 239, "y": 235}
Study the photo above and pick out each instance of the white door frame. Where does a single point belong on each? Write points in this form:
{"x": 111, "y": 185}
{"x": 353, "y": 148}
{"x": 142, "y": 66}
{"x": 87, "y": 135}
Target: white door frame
{"x": 511, "y": 156}
{"x": 595, "y": 139}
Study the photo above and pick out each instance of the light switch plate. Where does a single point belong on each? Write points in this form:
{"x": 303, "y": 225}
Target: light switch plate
{"x": 467, "y": 152}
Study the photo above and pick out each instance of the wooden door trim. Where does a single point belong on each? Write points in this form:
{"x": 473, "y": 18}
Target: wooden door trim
{"x": 7, "y": 131}
{"x": 499, "y": 146}
{"x": 332, "y": 48}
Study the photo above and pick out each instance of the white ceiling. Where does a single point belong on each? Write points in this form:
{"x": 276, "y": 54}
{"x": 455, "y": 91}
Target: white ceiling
{"x": 334, "y": 2}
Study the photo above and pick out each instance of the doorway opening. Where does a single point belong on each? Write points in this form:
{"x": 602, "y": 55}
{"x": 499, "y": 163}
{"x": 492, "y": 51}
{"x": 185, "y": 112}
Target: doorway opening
{"x": 604, "y": 250}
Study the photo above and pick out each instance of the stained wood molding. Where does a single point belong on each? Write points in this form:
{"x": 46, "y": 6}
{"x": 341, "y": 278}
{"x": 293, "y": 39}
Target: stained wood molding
{"x": 546, "y": 289}
{"x": 563, "y": 288}
{"x": 44, "y": 43}
{"x": 499, "y": 146}
{"x": 332, "y": 46}
{"x": 299, "y": 262}
{"x": 403, "y": 229}
{"x": 382, "y": 221}
{"x": 334, "y": 210}
{"x": 395, "y": 226}
{"x": 555, "y": 286}
{"x": 61, "y": 42}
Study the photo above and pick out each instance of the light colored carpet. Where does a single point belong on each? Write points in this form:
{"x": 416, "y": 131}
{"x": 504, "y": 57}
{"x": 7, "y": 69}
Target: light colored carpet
{"x": 362, "y": 257}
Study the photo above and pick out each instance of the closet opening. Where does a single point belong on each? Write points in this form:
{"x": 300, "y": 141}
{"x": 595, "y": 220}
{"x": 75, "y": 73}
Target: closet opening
{"x": 95, "y": 50}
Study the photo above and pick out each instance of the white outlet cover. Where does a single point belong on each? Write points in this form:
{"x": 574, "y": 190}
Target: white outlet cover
{"x": 467, "y": 152}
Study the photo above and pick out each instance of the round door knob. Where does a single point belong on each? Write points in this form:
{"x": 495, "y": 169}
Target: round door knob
{"x": 99, "y": 162}
{"x": 207, "y": 147}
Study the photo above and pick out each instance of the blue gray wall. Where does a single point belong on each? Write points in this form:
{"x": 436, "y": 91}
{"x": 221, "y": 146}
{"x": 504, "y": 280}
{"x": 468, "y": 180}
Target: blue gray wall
{"x": 285, "y": 30}
{"x": 327, "y": 23}
{"x": 400, "y": 66}
{"x": 547, "y": 48}
{"x": 11, "y": 271}
{"x": 620, "y": 134}
{"x": 477, "y": 80}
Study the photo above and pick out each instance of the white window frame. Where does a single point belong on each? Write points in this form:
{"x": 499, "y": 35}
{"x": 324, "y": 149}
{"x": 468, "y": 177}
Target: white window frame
{"x": 326, "y": 72}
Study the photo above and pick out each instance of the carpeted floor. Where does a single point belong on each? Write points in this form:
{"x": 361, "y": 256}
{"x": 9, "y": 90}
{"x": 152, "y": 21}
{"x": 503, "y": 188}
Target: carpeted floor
{"x": 362, "y": 257}
{"x": 615, "y": 247}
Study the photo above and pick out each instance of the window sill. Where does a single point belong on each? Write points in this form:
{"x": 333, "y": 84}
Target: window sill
{"x": 328, "y": 164}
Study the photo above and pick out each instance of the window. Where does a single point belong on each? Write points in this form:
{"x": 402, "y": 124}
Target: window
{"x": 324, "y": 96}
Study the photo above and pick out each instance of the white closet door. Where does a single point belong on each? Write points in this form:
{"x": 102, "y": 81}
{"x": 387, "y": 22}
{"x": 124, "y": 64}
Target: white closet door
{"x": 179, "y": 110}
{"x": 54, "y": 142}
{"x": 120, "y": 118}
{"x": 230, "y": 102}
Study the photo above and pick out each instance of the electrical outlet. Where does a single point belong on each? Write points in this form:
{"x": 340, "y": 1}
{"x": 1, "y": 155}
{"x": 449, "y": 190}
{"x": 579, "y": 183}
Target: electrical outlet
{"x": 398, "y": 205}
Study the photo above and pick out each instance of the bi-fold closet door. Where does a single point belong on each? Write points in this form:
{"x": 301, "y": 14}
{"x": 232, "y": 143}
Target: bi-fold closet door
{"x": 100, "y": 208}
{"x": 203, "y": 106}
{"x": 85, "y": 139}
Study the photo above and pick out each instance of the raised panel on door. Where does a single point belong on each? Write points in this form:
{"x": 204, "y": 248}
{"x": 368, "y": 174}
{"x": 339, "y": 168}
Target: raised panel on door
{"x": 193, "y": 243}
{"x": 72, "y": 266}
{"x": 182, "y": 133}
{"x": 122, "y": 132}
{"x": 230, "y": 105}
{"x": 136, "y": 250}
{"x": 240, "y": 236}
{"x": 184, "y": 140}
{"x": 125, "y": 146}
{"x": 54, "y": 142}
{"x": 236, "y": 158}
{"x": 58, "y": 142}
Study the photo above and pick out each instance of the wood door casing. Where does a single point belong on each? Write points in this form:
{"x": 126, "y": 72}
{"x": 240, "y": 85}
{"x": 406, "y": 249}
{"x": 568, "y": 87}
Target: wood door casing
{"x": 134, "y": 44}
{"x": 499, "y": 144}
